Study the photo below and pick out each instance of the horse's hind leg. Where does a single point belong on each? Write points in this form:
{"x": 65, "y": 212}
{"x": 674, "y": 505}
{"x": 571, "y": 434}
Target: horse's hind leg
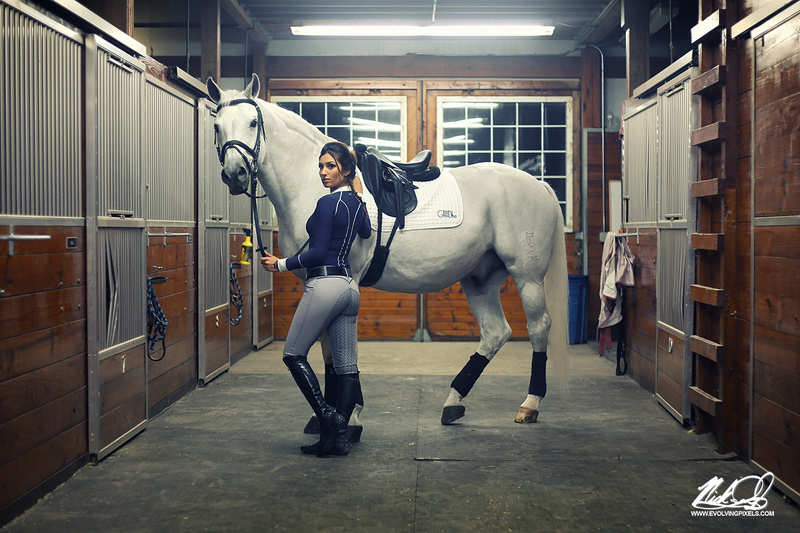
{"x": 533, "y": 301}
{"x": 483, "y": 296}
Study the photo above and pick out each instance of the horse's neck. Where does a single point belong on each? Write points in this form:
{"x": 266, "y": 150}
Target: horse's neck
{"x": 288, "y": 171}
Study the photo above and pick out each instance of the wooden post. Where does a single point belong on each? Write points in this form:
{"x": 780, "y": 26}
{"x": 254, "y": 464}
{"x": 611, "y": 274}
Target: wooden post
{"x": 117, "y": 12}
{"x": 210, "y": 40}
{"x": 636, "y": 22}
{"x": 591, "y": 89}
{"x": 260, "y": 66}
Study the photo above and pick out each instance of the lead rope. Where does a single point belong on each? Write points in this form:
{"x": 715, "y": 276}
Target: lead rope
{"x": 156, "y": 322}
{"x": 237, "y": 299}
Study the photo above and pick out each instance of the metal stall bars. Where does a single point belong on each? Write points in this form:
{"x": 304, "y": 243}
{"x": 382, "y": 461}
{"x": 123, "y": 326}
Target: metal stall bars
{"x": 213, "y": 316}
{"x": 116, "y": 243}
{"x": 168, "y": 169}
{"x": 659, "y": 166}
{"x": 43, "y": 314}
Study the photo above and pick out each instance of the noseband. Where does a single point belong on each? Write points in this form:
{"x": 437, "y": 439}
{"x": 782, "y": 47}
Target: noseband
{"x": 239, "y": 146}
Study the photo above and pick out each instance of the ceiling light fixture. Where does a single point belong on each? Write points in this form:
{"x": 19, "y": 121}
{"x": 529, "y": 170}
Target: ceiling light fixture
{"x": 494, "y": 30}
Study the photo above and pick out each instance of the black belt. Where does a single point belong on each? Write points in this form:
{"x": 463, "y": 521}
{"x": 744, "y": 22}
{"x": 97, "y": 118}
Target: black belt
{"x": 328, "y": 271}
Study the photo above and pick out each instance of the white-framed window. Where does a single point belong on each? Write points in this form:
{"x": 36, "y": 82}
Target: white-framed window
{"x": 378, "y": 121}
{"x": 533, "y": 134}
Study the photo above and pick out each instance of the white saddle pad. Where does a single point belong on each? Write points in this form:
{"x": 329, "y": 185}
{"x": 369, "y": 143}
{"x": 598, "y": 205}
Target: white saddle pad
{"x": 439, "y": 205}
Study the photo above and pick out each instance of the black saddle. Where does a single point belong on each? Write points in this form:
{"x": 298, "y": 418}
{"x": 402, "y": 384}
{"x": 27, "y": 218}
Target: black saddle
{"x": 392, "y": 186}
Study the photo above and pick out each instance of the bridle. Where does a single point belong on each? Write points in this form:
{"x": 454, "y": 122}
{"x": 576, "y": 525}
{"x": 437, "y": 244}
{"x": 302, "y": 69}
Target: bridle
{"x": 252, "y": 164}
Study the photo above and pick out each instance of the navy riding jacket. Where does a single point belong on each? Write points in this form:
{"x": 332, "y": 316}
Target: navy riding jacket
{"x": 332, "y": 228}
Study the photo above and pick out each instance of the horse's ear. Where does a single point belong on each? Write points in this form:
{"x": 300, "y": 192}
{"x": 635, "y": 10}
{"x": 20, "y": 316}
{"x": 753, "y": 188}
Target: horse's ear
{"x": 254, "y": 87}
{"x": 214, "y": 92}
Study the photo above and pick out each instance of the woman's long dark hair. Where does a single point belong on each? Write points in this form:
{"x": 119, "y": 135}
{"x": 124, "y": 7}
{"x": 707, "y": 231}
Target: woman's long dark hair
{"x": 345, "y": 158}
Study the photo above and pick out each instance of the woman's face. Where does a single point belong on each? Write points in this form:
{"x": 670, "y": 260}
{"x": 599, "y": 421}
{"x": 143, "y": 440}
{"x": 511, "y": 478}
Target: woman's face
{"x": 330, "y": 173}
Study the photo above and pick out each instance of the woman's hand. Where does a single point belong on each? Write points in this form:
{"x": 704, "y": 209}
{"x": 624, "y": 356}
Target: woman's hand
{"x": 269, "y": 262}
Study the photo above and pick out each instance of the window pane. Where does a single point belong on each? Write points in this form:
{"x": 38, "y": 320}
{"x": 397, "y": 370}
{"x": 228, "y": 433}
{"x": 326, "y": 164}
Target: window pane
{"x": 555, "y": 139}
{"x": 291, "y": 106}
{"x": 555, "y": 164}
{"x": 478, "y": 157}
{"x": 481, "y": 138}
{"x": 340, "y": 134}
{"x": 505, "y": 139}
{"x": 453, "y": 114}
{"x": 530, "y": 138}
{"x": 531, "y": 163}
{"x": 483, "y": 113}
{"x": 505, "y": 114}
{"x": 555, "y": 113}
{"x": 506, "y": 158}
{"x": 559, "y": 185}
{"x": 453, "y": 160}
{"x": 314, "y": 112}
{"x": 530, "y": 114}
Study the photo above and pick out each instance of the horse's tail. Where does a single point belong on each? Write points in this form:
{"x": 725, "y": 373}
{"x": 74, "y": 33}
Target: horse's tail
{"x": 556, "y": 289}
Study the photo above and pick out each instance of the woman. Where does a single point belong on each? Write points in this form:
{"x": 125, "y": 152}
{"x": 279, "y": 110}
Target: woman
{"x": 330, "y": 299}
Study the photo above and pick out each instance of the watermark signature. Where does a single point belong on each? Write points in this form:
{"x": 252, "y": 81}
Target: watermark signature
{"x": 735, "y": 497}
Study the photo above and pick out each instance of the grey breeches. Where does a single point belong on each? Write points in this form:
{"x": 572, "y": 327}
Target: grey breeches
{"x": 329, "y": 303}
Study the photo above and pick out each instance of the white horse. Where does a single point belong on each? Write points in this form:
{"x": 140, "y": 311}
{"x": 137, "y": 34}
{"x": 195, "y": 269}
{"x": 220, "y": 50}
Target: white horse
{"x": 512, "y": 225}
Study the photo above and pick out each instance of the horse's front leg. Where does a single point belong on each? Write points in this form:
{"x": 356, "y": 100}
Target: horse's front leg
{"x": 484, "y": 301}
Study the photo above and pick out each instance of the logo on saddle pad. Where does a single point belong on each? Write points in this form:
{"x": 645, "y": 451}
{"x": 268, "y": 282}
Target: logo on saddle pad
{"x": 445, "y": 213}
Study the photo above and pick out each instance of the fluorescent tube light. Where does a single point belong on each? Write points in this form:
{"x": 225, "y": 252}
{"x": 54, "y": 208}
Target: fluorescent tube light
{"x": 494, "y": 30}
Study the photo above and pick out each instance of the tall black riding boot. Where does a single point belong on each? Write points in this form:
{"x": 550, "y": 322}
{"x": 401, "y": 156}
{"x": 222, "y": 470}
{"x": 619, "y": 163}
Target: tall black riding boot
{"x": 349, "y": 390}
{"x": 331, "y": 394}
{"x": 330, "y": 421}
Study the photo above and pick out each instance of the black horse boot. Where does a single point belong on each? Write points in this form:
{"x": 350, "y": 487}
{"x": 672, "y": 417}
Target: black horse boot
{"x": 349, "y": 392}
{"x": 330, "y": 421}
{"x": 331, "y": 393}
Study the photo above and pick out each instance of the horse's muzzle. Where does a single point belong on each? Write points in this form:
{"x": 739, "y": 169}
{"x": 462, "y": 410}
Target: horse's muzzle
{"x": 238, "y": 184}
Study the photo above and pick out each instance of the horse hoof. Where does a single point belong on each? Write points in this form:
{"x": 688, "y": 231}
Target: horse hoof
{"x": 312, "y": 428}
{"x": 526, "y": 416}
{"x": 452, "y": 413}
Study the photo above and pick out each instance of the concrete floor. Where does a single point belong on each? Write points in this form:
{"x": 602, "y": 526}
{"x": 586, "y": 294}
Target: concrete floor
{"x": 226, "y": 457}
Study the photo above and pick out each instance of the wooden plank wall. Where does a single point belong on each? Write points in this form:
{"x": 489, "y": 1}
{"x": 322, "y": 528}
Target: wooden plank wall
{"x": 171, "y": 374}
{"x": 43, "y": 420}
{"x": 640, "y": 309}
{"x": 776, "y": 275}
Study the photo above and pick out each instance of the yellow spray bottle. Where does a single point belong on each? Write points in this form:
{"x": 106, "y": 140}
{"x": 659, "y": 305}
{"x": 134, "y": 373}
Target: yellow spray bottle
{"x": 247, "y": 249}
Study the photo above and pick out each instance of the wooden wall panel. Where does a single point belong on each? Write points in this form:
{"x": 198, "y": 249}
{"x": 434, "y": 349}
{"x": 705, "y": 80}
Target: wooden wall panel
{"x": 640, "y": 309}
{"x": 217, "y": 327}
{"x": 123, "y": 387}
{"x": 265, "y": 321}
{"x": 170, "y": 375}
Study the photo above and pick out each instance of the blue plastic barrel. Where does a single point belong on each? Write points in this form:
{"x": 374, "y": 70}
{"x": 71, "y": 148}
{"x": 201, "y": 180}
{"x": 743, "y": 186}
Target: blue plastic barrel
{"x": 577, "y": 308}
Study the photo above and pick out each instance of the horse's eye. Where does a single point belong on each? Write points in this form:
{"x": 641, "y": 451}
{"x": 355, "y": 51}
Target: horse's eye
{"x": 253, "y": 123}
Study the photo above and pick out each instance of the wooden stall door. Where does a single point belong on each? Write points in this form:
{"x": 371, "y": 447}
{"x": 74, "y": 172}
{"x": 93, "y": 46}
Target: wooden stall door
{"x": 775, "y": 402}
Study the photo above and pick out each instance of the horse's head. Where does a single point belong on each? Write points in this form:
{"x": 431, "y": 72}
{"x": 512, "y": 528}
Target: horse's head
{"x": 239, "y": 132}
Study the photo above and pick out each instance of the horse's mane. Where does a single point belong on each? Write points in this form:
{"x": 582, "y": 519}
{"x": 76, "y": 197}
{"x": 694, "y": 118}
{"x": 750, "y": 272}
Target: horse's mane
{"x": 296, "y": 123}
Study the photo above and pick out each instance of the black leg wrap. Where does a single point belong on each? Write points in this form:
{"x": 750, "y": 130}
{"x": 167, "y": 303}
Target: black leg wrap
{"x": 465, "y": 379}
{"x": 538, "y": 384}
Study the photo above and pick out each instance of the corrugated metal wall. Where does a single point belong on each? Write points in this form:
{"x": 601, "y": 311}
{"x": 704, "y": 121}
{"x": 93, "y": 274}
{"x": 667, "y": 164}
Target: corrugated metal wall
{"x": 216, "y": 267}
{"x": 674, "y": 151}
{"x": 216, "y": 193}
{"x": 41, "y": 85}
{"x": 122, "y": 285}
{"x": 168, "y": 170}
{"x": 119, "y": 134}
{"x": 670, "y": 286}
{"x": 640, "y": 167}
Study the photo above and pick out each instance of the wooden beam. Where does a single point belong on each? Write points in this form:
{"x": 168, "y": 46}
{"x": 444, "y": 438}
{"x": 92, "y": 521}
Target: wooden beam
{"x": 711, "y": 133}
{"x": 210, "y": 40}
{"x": 709, "y": 81}
{"x": 706, "y": 188}
{"x": 705, "y": 401}
{"x": 591, "y": 89}
{"x": 710, "y": 27}
{"x": 708, "y": 241}
{"x": 707, "y": 295}
{"x": 635, "y": 19}
{"x": 706, "y": 348}
{"x": 260, "y": 67}
{"x": 238, "y": 14}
